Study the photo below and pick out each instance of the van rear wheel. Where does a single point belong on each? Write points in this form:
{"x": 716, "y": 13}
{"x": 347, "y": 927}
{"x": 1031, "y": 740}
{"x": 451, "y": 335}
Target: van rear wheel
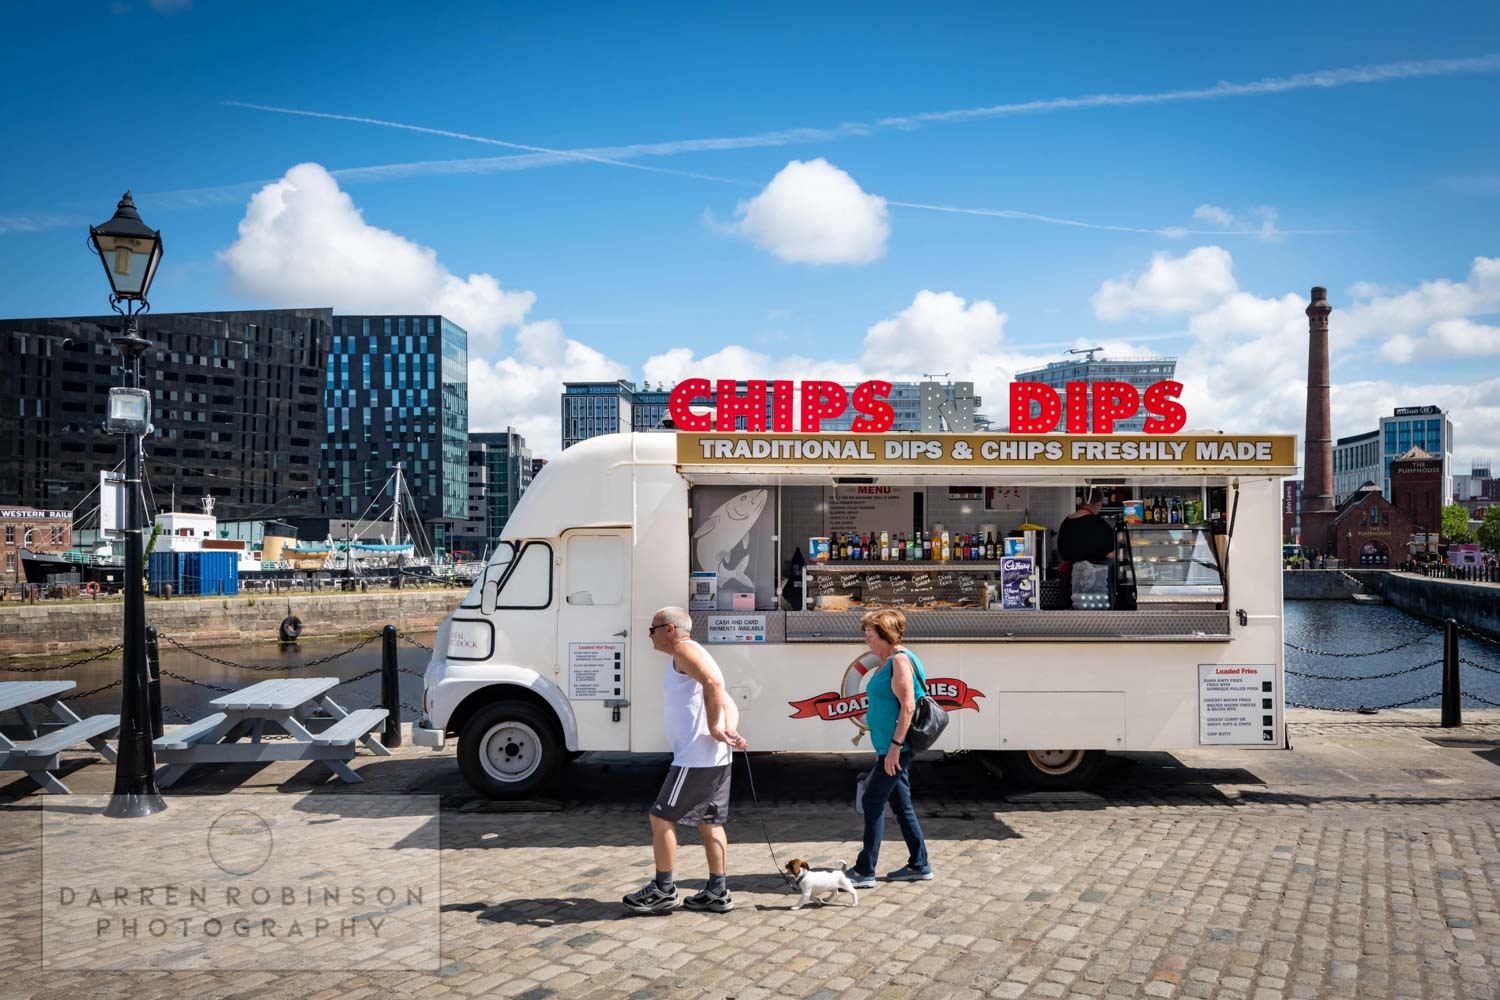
{"x": 1052, "y": 770}
{"x": 509, "y": 750}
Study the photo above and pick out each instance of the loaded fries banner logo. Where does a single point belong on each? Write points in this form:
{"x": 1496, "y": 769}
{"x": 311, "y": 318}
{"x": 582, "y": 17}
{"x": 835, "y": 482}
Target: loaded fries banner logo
{"x": 852, "y": 702}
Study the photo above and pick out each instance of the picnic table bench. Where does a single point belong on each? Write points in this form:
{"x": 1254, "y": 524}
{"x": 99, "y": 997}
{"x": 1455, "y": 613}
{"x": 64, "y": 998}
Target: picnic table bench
{"x": 38, "y": 756}
{"x": 216, "y": 738}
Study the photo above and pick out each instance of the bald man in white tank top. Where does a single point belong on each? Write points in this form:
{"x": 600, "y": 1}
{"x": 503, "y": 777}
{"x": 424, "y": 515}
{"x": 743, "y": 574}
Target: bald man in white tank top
{"x": 701, "y": 721}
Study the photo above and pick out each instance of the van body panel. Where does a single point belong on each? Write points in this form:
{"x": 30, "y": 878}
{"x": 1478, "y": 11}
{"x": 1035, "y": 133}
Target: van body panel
{"x": 1099, "y": 694}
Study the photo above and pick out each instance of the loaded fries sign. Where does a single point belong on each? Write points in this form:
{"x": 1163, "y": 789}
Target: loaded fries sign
{"x": 851, "y": 701}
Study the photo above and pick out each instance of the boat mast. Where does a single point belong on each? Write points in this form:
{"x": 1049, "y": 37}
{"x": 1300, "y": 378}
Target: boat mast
{"x": 396, "y": 510}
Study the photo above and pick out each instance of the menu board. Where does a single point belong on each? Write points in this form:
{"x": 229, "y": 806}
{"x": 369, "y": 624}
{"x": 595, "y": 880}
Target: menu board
{"x": 869, "y": 509}
{"x": 596, "y": 670}
{"x": 1236, "y": 704}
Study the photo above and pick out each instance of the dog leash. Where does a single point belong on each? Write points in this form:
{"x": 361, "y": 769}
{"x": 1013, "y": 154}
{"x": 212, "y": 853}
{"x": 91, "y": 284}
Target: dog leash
{"x": 791, "y": 885}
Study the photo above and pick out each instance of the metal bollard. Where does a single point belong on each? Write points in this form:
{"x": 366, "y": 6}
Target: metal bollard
{"x": 1453, "y": 715}
{"x": 153, "y": 687}
{"x": 390, "y": 688}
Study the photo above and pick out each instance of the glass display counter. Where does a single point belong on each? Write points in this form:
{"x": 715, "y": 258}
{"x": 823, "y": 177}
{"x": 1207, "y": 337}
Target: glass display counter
{"x": 1162, "y": 565}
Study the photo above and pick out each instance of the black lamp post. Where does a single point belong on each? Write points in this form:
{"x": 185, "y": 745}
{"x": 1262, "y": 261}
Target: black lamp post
{"x": 130, "y": 251}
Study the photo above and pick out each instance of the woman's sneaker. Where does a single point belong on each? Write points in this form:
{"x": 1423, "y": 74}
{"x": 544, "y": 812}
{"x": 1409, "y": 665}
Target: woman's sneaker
{"x": 714, "y": 902}
{"x": 650, "y": 899}
{"x": 910, "y": 873}
{"x": 861, "y": 881}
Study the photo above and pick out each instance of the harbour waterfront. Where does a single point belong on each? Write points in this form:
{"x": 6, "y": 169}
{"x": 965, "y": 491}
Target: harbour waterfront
{"x": 1340, "y": 627}
{"x": 191, "y": 700}
{"x": 1348, "y": 629}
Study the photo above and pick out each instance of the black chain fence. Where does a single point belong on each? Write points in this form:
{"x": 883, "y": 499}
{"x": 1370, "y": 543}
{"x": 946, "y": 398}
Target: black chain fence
{"x": 1369, "y": 652}
{"x": 1367, "y": 677}
{"x": 64, "y": 666}
{"x": 1369, "y": 709}
{"x": 273, "y": 668}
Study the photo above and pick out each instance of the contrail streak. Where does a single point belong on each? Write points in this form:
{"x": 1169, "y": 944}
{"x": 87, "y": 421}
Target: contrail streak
{"x": 1324, "y": 79}
{"x": 564, "y": 154}
{"x": 1173, "y": 231}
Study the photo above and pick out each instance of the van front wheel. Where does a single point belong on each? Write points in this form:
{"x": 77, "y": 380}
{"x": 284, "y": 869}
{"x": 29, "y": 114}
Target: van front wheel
{"x": 1052, "y": 770}
{"x": 509, "y": 750}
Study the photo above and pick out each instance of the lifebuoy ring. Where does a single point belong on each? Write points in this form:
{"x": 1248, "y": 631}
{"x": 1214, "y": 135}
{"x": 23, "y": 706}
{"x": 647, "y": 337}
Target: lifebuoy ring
{"x": 855, "y": 677}
{"x": 91, "y": 588}
{"x": 291, "y": 628}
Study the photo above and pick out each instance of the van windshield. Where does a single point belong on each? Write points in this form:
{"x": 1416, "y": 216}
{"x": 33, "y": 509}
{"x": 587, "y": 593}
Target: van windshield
{"x": 505, "y": 553}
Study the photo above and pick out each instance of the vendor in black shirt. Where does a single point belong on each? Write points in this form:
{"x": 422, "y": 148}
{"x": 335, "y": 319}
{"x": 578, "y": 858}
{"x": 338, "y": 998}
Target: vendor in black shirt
{"x": 1084, "y": 536}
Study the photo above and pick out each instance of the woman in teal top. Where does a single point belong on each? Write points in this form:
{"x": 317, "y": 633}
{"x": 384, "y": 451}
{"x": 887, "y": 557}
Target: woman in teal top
{"x": 892, "y": 693}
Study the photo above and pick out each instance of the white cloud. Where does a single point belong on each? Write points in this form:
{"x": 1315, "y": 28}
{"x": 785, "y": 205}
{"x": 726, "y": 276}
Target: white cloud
{"x": 938, "y": 332}
{"x": 522, "y": 390}
{"x": 1434, "y": 319}
{"x": 1171, "y": 285}
{"x": 814, "y": 213}
{"x": 303, "y": 241}
{"x": 1465, "y": 337}
{"x": 1213, "y": 214}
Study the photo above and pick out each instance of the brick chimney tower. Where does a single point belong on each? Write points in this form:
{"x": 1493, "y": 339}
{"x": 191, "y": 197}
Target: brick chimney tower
{"x": 1317, "y": 443}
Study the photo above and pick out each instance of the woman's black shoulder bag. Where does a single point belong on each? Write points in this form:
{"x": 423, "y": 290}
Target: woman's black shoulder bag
{"x": 928, "y": 721}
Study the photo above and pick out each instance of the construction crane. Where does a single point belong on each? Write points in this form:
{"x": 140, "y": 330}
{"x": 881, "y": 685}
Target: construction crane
{"x": 1090, "y": 351}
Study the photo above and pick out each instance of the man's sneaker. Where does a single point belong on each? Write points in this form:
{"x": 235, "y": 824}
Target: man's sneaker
{"x": 861, "y": 881}
{"x": 910, "y": 874}
{"x": 650, "y": 899}
{"x": 720, "y": 902}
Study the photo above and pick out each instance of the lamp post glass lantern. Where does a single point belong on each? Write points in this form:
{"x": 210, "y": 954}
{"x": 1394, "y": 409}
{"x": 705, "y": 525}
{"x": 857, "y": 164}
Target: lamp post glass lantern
{"x": 130, "y": 252}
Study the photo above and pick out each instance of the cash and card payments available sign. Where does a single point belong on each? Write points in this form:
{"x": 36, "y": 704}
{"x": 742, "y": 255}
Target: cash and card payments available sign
{"x": 736, "y": 628}
{"x": 1226, "y": 452}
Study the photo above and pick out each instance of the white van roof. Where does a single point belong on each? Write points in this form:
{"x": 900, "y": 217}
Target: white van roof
{"x": 589, "y": 485}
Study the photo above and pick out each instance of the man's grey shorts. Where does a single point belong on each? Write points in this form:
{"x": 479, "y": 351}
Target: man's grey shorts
{"x": 694, "y": 795}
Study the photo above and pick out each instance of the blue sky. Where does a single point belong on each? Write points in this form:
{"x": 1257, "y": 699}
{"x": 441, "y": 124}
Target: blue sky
{"x": 1383, "y": 185}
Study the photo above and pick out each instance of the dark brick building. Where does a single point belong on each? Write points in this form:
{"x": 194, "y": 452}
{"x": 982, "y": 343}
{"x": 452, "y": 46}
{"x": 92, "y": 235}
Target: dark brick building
{"x": 1417, "y": 489}
{"x": 237, "y": 405}
{"x": 1369, "y": 530}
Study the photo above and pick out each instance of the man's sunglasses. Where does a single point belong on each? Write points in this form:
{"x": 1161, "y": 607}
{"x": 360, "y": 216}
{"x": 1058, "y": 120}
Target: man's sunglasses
{"x": 653, "y": 628}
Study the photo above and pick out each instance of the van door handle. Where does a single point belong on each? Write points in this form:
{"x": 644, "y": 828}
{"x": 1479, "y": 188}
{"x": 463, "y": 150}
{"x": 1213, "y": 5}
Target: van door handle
{"x": 621, "y": 634}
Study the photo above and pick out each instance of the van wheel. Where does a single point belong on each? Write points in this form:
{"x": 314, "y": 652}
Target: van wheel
{"x": 1052, "y": 770}
{"x": 509, "y": 750}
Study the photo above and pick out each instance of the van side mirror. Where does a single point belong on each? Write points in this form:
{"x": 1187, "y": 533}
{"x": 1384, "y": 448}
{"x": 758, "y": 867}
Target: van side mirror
{"x": 487, "y": 595}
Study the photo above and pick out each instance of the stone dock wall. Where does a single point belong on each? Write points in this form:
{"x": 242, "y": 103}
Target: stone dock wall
{"x": 51, "y": 629}
{"x": 1330, "y": 584}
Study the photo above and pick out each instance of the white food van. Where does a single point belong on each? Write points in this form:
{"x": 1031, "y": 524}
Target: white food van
{"x": 549, "y": 656}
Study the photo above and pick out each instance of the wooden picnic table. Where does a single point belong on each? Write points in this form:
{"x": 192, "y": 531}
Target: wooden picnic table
{"x": 215, "y": 739}
{"x": 38, "y": 755}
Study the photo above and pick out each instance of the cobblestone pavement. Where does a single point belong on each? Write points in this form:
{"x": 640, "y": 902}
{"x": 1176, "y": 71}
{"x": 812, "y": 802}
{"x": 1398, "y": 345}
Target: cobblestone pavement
{"x": 1363, "y": 863}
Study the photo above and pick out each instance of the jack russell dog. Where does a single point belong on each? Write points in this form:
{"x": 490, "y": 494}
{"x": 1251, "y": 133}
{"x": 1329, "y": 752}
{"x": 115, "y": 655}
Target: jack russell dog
{"x": 825, "y": 885}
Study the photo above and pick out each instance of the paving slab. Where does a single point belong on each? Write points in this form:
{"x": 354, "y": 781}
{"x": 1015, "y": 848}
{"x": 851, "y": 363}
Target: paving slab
{"x": 1364, "y": 862}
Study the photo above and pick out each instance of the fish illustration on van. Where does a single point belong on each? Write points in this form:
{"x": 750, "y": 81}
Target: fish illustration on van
{"x": 725, "y": 530}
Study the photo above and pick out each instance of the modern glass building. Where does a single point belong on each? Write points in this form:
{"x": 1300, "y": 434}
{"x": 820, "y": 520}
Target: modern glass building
{"x": 1139, "y": 372}
{"x": 590, "y": 409}
{"x": 1425, "y": 427}
{"x": 500, "y": 469}
{"x": 906, "y": 399}
{"x": 236, "y": 399}
{"x": 1356, "y": 461}
{"x": 397, "y": 391}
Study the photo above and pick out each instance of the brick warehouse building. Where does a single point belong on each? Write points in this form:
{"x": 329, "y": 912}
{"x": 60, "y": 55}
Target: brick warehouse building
{"x": 1417, "y": 490}
{"x": 48, "y": 531}
{"x": 1369, "y": 530}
